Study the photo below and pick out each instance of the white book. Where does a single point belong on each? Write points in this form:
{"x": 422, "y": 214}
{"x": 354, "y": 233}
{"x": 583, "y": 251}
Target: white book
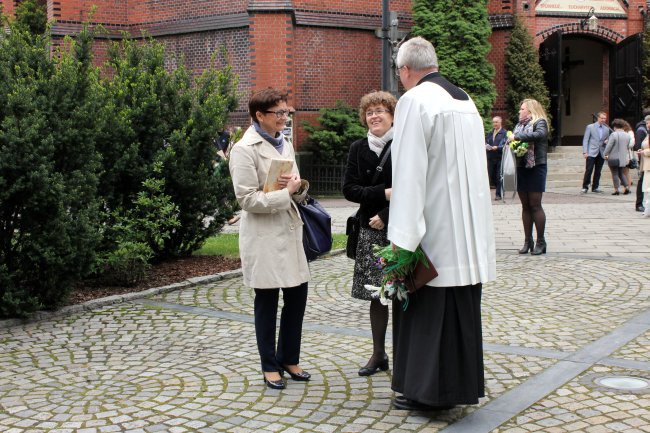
{"x": 278, "y": 167}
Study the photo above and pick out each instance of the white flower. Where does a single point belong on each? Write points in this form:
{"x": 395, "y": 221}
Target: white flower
{"x": 376, "y": 291}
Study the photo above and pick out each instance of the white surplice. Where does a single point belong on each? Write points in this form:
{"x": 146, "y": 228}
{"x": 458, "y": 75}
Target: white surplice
{"x": 441, "y": 192}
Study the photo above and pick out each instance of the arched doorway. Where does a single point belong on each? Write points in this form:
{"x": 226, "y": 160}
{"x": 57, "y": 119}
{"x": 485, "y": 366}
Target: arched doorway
{"x": 587, "y": 72}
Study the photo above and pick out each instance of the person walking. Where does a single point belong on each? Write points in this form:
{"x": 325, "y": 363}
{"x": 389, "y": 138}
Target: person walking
{"x": 367, "y": 181}
{"x": 441, "y": 201}
{"x": 494, "y": 142}
{"x": 593, "y": 146}
{"x": 617, "y": 155}
{"x": 531, "y": 173}
{"x": 270, "y": 236}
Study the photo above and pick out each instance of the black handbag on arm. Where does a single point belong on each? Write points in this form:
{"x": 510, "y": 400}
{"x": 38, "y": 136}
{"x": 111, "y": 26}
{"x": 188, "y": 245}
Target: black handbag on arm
{"x": 353, "y": 225}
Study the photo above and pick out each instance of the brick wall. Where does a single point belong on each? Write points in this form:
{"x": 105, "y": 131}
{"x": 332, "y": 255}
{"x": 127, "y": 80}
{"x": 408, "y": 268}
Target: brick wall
{"x": 145, "y": 11}
{"x": 318, "y": 50}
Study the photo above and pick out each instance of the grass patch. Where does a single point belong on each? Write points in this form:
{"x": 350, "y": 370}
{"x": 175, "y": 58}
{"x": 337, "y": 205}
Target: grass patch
{"x": 227, "y": 244}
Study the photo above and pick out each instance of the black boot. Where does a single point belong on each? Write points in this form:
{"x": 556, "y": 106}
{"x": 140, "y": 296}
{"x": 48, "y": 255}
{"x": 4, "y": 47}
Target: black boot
{"x": 540, "y": 247}
{"x": 529, "y": 245}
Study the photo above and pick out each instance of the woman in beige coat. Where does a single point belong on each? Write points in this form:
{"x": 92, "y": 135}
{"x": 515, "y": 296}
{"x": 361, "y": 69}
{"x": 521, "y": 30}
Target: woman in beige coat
{"x": 270, "y": 236}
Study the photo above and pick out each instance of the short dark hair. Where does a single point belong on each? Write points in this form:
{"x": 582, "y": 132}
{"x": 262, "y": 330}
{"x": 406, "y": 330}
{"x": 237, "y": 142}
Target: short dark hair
{"x": 264, "y": 99}
{"x": 646, "y": 112}
{"x": 618, "y": 123}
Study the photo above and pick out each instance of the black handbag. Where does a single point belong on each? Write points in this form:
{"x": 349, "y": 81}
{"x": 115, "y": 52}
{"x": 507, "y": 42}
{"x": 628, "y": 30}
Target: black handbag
{"x": 352, "y": 231}
{"x": 353, "y": 226}
{"x": 316, "y": 229}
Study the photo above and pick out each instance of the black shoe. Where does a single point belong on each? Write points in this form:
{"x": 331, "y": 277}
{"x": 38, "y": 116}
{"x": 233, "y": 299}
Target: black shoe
{"x": 640, "y": 209}
{"x": 529, "y": 245}
{"x": 403, "y": 403}
{"x": 617, "y": 193}
{"x": 540, "y": 247}
{"x": 274, "y": 384}
{"x": 302, "y": 376}
{"x": 371, "y": 369}
{"x": 627, "y": 191}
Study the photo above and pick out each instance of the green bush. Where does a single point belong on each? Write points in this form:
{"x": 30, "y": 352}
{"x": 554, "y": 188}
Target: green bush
{"x": 102, "y": 175}
{"x": 48, "y": 170}
{"x": 459, "y": 31}
{"x": 156, "y": 114}
{"x": 525, "y": 75}
{"x": 339, "y": 127}
{"x": 128, "y": 264}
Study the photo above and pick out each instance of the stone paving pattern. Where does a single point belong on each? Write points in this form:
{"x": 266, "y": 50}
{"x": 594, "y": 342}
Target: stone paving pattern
{"x": 186, "y": 360}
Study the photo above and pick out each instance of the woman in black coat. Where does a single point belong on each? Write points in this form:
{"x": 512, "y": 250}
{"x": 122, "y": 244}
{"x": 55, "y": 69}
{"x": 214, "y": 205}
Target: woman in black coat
{"x": 531, "y": 173}
{"x": 363, "y": 184}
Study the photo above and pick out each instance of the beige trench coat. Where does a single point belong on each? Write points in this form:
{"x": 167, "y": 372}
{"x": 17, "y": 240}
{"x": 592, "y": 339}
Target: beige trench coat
{"x": 270, "y": 228}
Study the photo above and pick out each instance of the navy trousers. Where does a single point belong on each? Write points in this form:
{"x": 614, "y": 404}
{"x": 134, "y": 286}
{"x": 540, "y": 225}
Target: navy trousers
{"x": 266, "y": 311}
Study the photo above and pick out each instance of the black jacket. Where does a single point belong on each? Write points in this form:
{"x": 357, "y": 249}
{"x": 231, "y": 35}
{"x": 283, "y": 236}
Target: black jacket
{"x": 640, "y": 132}
{"x": 539, "y": 137}
{"x": 357, "y": 187}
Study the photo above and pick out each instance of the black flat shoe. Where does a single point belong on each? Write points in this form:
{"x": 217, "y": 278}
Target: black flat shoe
{"x": 403, "y": 403}
{"x": 370, "y": 369}
{"x": 616, "y": 193}
{"x": 626, "y": 192}
{"x": 274, "y": 384}
{"x": 303, "y": 376}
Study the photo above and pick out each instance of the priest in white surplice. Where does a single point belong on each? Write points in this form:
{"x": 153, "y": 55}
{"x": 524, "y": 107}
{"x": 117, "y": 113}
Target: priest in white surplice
{"x": 441, "y": 200}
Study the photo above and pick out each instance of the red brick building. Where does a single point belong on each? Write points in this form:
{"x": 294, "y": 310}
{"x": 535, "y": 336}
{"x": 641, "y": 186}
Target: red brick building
{"x": 321, "y": 51}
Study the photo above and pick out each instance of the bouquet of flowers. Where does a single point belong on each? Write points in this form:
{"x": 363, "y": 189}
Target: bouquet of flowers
{"x": 396, "y": 266}
{"x": 518, "y": 147}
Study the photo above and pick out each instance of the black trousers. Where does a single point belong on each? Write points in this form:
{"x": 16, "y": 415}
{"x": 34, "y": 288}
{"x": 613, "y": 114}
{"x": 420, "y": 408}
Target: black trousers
{"x": 494, "y": 171}
{"x": 639, "y": 191}
{"x": 593, "y": 162}
{"x": 266, "y": 312}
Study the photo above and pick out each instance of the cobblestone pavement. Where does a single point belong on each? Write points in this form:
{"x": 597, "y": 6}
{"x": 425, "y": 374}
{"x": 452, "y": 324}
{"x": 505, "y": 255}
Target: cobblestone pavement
{"x": 184, "y": 359}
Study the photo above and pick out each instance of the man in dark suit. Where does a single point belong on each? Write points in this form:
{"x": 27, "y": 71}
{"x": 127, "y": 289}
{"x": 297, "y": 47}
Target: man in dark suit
{"x": 494, "y": 142}
{"x": 593, "y": 148}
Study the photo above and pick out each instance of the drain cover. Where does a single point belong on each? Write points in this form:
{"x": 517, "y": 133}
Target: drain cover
{"x": 623, "y": 382}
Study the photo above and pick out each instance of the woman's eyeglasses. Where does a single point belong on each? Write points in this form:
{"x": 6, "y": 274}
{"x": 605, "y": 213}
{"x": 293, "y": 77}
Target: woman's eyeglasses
{"x": 379, "y": 112}
{"x": 279, "y": 113}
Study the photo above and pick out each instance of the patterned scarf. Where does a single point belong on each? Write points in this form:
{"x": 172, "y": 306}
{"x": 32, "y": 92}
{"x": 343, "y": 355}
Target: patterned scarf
{"x": 377, "y": 144}
{"x": 525, "y": 125}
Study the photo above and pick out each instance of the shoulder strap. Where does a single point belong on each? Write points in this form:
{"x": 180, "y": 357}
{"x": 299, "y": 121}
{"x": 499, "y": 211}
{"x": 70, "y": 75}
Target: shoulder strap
{"x": 380, "y": 167}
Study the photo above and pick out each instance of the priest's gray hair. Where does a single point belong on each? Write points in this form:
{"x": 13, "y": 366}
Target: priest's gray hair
{"x": 417, "y": 54}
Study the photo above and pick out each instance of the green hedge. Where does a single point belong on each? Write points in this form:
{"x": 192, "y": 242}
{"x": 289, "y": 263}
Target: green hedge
{"x": 101, "y": 174}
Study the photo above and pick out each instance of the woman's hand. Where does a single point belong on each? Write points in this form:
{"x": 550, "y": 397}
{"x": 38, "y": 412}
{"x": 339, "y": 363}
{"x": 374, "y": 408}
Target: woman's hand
{"x": 291, "y": 181}
{"x": 388, "y": 192}
{"x": 376, "y": 223}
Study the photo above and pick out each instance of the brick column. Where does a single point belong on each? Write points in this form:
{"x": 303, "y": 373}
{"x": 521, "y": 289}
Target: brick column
{"x": 271, "y": 51}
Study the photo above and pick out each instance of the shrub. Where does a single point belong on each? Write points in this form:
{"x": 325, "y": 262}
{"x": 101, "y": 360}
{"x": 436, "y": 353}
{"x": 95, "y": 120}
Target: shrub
{"x": 459, "y": 31}
{"x": 339, "y": 127}
{"x": 48, "y": 170}
{"x": 128, "y": 264}
{"x": 164, "y": 115}
{"x": 525, "y": 75}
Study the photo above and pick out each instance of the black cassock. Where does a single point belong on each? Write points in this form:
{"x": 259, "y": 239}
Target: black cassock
{"x": 438, "y": 346}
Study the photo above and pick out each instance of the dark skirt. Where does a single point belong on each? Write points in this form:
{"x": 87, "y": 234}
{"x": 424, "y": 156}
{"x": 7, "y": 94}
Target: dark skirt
{"x": 531, "y": 179}
{"x": 438, "y": 346}
{"x": 365, "y": 267}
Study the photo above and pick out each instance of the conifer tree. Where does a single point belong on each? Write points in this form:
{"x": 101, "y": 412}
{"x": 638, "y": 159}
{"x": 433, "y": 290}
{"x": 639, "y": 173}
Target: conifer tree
{"x": 645, "y": 96}
{"x": 525, "y": 75}
{"x": 459, "y": 31}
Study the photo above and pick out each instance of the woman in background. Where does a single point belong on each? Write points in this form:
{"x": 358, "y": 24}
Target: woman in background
{"x": 617, "y": 155}
{"x": 531, "y": 173}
